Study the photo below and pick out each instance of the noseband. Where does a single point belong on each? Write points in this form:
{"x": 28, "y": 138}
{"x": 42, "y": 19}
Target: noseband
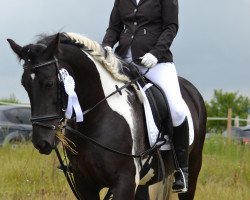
{"x": 39, "y": 120}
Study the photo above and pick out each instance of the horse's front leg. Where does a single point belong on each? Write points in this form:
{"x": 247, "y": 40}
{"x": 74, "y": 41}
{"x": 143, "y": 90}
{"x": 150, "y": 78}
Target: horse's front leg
{"x": 86, "y": 193}
{"x": 86, "y": 190}
{"x": 124, "y": 189}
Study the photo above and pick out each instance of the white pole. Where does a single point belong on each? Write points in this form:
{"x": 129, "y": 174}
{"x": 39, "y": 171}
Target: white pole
{"x": 229, "y": 125}
{"x": 237, "y": 121}
{"x": 248, "y": 119}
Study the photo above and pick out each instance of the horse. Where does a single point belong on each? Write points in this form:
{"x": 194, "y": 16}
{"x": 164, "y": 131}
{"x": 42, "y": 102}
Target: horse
{"x": 111, "y": 117}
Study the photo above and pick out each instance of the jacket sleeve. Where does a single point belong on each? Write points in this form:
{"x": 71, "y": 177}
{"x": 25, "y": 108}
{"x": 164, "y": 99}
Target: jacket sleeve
{"x": 169, "y": 27}
{"x": 115, "y": 27}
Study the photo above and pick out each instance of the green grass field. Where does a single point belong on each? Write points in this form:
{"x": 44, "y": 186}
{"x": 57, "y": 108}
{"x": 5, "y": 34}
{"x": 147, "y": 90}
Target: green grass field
{"x": 225, "y": 173}
{"x": 25, "y": 174}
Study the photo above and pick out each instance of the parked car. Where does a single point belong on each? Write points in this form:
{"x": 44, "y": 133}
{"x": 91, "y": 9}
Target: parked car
{"x": 246, "y": 134}
{"x": 15, "y": 125}
{"x": 241, "y": 134}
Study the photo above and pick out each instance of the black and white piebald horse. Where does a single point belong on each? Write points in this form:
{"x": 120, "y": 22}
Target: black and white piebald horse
{"x": 114, "y": 121}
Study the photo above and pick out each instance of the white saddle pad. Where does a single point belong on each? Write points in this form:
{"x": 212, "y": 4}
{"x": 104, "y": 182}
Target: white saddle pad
{"x": 151, "y": 126}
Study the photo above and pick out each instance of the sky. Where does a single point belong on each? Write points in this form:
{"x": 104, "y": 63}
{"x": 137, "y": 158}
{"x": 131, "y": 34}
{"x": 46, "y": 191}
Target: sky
{"x": 212, "y": 48}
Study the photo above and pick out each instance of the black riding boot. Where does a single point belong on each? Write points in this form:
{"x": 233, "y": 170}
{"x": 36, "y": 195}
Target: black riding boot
{"x": 181, "y": 144}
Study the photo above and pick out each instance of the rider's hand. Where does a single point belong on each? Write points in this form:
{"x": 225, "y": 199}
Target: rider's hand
{"x": 149, "y": 60}
{"x": 108, "y": 48}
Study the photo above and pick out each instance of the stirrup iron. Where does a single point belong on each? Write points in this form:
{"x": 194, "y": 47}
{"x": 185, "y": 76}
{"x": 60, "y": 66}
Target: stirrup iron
{"x": 184, "y": 189}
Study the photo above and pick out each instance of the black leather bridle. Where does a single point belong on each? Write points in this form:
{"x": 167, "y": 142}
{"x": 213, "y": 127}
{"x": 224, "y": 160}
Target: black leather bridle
{"x": 39, "y": 120}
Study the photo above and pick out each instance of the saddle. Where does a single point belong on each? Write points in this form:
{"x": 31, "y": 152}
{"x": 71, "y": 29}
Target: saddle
{"x": 156, "y": 108}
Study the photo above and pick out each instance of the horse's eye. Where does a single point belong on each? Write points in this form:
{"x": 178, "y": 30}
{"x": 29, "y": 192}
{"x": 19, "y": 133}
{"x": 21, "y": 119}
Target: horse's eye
{"x": 49, "y": 84}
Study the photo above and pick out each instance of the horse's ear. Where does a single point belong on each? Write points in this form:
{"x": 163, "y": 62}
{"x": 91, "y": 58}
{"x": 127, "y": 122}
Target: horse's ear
{"x": 53, "y": 47}
{"x": 16, "y": 48}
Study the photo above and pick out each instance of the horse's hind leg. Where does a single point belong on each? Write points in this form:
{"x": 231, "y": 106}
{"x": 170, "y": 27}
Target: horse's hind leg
{"x": 142, "y": 193}
{"x": 195, "y": 161}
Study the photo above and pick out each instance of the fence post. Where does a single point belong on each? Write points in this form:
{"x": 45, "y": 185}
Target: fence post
{"x": 248, "y": 119}
{"x": 237, "y": 121}
{"x": 229, "y": 125}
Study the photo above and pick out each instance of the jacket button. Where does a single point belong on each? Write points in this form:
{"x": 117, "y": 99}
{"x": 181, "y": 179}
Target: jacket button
{"x": 132, "y": 36}
{"x": 135, "y": 10}
{"x": 135, "y": 23}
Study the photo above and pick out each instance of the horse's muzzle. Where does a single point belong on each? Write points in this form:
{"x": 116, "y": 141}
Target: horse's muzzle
{"x": 43, "y": 147}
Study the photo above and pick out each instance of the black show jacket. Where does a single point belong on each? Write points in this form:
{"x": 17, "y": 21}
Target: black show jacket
{"x": 150, "y": 26}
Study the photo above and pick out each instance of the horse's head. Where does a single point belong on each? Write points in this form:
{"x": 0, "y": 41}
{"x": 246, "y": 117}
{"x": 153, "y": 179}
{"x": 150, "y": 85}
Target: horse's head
{"x": 41, "y": 80}
{"x": 85, "y": 61}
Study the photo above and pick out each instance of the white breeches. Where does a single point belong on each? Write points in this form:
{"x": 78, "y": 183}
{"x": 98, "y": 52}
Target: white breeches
{"x": 165, "y": 75}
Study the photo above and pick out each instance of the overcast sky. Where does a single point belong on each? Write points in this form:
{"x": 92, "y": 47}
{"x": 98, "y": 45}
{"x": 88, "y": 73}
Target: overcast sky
{"x": 212, "y": 48}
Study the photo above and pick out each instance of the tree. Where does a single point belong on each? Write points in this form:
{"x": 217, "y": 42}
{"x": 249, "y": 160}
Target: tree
{"x": 218, "y": 107}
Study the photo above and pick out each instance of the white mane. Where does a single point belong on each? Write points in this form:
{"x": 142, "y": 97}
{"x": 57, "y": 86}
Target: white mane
{"x": 110, "y": 62}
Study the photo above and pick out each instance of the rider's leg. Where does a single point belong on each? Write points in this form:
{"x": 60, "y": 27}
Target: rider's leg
{"x": 164, "y": 75}
{"x": 181, "y": 143}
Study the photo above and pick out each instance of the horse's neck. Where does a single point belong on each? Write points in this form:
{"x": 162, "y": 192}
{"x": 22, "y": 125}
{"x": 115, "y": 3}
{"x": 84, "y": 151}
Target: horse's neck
{"x": 117, "y": 114}
{"x": 103, "y": 83}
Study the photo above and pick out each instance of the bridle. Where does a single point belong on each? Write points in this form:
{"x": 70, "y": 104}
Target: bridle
{"x": 39, "y": 120}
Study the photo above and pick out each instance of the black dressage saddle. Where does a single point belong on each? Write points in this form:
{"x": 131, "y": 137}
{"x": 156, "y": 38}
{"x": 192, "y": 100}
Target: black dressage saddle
{"x": 156, "y": 97}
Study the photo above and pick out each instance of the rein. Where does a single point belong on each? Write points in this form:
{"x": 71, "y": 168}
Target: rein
{"x": 141, "y": 155}
{"x": 69, "y": 177}
{"x": 119, "y": 90}
{"x": 85, "y": 137}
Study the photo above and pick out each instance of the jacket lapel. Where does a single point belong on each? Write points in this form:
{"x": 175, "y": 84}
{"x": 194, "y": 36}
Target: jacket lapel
{"x": 134, "y": 1}
{"x": 140, "y": 2}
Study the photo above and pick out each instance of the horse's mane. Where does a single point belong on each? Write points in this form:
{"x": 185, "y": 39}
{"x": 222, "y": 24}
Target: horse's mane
{"x": 107, "y": 59}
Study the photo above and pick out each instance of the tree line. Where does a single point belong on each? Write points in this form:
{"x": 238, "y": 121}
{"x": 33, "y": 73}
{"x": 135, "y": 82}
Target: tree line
{"x": 218, "y": 107}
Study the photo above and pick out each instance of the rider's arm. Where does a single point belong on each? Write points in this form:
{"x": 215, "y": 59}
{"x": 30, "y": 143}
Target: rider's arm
{"x": 169, "y": 26}
{"x": 115, "y": 27}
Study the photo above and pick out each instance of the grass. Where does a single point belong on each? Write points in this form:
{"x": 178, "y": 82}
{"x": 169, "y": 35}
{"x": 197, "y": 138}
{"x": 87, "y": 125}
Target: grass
{"x": 225, "y": 172}
{"x": 25, "y": 174}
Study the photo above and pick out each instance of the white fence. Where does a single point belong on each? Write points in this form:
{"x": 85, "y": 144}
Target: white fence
{"x": 229, "y": 120}
{"x": 236, "y": 120}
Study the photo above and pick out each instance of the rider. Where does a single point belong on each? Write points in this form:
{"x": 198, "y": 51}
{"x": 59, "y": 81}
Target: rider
{"x": 145, "y": 30}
